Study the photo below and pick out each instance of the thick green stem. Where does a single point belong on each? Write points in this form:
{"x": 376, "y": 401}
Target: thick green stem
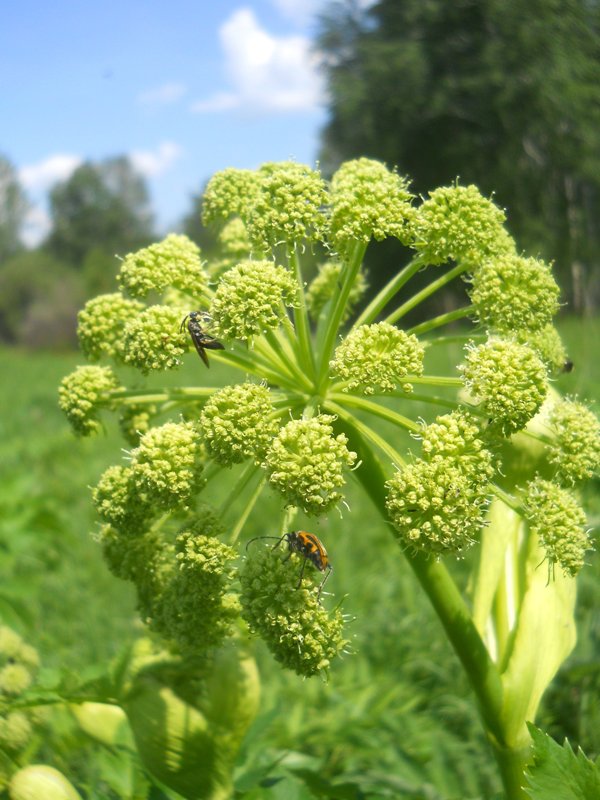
{"x": 301, "y": 317}
{"x": 442, "y": 319}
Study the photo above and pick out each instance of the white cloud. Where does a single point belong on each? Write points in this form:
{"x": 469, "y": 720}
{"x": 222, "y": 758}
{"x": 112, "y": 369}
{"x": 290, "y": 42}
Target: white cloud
{"x": 36, "y": 226}
{"x": 41, "y": 176}
{"x": 299, "y": 12}
{"x": 163, "y": 95}
{"x": 267, "y": 73}
{"x": 154, "y": 162}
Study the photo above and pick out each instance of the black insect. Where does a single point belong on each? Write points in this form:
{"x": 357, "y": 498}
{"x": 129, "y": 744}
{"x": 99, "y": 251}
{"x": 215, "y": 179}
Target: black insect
{"x": 568, "y": 366}
{"x": 202, "y": 341}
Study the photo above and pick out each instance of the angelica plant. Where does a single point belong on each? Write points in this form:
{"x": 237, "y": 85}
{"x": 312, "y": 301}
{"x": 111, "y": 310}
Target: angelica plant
{"x": 320, "y": 390}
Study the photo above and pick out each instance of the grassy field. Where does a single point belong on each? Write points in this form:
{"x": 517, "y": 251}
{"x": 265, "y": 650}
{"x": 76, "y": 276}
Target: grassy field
{"x": 396, "y": 717}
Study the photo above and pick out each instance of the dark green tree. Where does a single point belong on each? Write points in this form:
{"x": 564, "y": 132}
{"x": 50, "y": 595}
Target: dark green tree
{"x": 102, "y": 208}
{"x": 502, "y": 93}
{"x": 13, "y": 207}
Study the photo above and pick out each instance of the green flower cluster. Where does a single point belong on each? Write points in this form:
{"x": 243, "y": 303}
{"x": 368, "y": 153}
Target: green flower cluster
{"x": 305, "y": 462}
{"x": 174, "y": 262}
{"x": 287, "y": 206}
{"x": 556, "y": 517}
{"x": 251, "y": 299}
{"x": 368, "y": 202}
{"x": 457, "y": 223}
{"x": 153, "y": 340}
{"x": 512, "y": 293}
{"x": 508, "y": 380}
{"x": 101, "y": 323}
{"x": 438, "y": 503}
{"x": 168, "y": 464}
{"x": 575, "y": 447}
{"x": 300, "y": 634}
{"x": 19, "y": 663}
{"x": 237, "y": 423}
{"x": 229, "y": 193}
{"x": 375, "y": 358}
{"x": 83, "y": 393}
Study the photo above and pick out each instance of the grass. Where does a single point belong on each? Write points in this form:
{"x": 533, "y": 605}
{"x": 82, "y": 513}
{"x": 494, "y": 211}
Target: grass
{"x": 396, "y": 718}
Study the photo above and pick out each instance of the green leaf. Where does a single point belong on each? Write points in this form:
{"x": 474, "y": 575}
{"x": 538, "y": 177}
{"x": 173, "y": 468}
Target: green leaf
{"x": 558, "y": 773}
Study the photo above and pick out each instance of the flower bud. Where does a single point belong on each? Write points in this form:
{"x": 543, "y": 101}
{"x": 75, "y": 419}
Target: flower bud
{"x": 575, "y": 446}
{"x": 14, "y": 679}
{"x": 15, "y": 731}
{"x": 82, "y": 393}
{"x": 119, "y": 502}
{"x": 237, "y": 423}
{"x": 250, "y": 299}
{"x": 135, "y": 421}
{"x": 101, "y": 323}
{"x": 375, "y": 358}
{"x": 38, "y": 781}
{"x": 229, "y": 193}
{"x": 305, "y": 463}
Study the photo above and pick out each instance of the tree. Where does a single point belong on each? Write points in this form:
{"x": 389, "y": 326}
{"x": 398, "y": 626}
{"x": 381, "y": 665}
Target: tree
{"x": 13, "y": 207}
{"x": 502, "y": 93}
{"x": 102, "y": 207}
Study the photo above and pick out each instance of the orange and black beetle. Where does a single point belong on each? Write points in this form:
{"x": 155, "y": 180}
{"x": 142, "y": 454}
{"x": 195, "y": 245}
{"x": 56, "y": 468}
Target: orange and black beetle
{"x": 309, "y": 547}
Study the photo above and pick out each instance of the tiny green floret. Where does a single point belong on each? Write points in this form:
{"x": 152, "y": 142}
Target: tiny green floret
{"x": 376, "y": 358}
{"x": 134, "y": 422}
{"x": 458, "y": 435}
{"x": 168, "y": 464}
{"x": 368, "y": 201}
{"x": 457, "y": 223}
{"x": 237, "y": 423}
{"x": 288, "y": 206}
{"x": 555, "y": 516}
{"x": 101, "y": 323}
{"x": 509, "y": 380}
{"x": 153, "y": 340}
{"x": 305, "y": 462}
{"x": 83, "y": 393}
{"x": 298, "y": 631}
{"x": 250, "y": 299}
{"x": 510, "y": 293}
{"x": 229, "y": 193}
{"x": 547, "y": 344}
{"x": 575, "y": 446}
{"x": 173, "y": 262}
{"x": 438, "y": 506}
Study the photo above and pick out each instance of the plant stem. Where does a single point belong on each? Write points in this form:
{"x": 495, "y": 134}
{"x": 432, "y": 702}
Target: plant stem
{"x": 425, "y": 293}
{"x": 379, "y": 411}
{"x": 442, "y": 319}
{"x": 301, "y": 317}
{"x": 389, "y": 291}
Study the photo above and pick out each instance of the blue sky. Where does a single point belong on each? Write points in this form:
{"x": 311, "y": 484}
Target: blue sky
{"x": 183, "y": 88}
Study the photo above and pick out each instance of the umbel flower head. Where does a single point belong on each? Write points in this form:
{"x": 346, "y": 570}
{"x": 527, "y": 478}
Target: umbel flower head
{"x": 511, "y": 293}
{"x": 575, "y": 447}
{"x": 250, "y": 299}
{"x": 168, "y": 463}
{"x": 457, "y": 223}
{"x": 238, "y": 422}
{"x": 368, "y": 201}
{"x": 509, "y": 381}
{"x": 287, "y": 206}
{"x": 174, "y": 262}
{"x": 19, "y": 663}
{"x": 101, "y": 323}
{"x": 153, "y": 340}
{"x": 375, "y": 358}
{"x": 556, "y": 517}
{"x": 298, "y": 631}
{"x": 83, "y": 393}
{"x": 305, "y": 463}
{"x": 229, "y": 193}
